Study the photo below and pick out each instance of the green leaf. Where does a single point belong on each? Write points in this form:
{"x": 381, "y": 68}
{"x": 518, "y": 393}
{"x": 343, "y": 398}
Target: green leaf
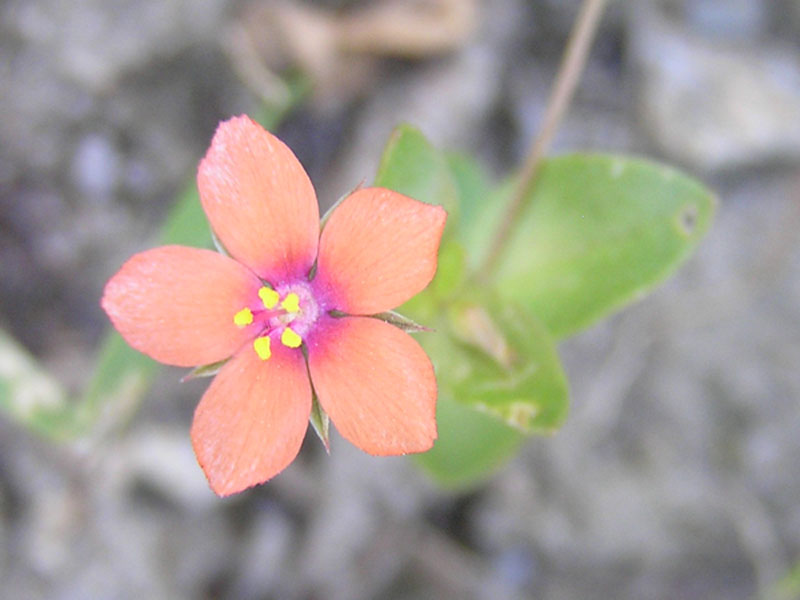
{"x": 412, "y": 166}
{"x": 451, "y": 270}
{"x": 473, "y": 186}
{"x": 599, "y": 232}
{"x": 28, "y": 394}
{"x": 121, "y": 376}
{"x": 470, "y": 446}
{"x": 507, "y": 366}
{"x": 427, "y": 306}
{"x": 499, "y": 379}
{"x": 186, "y": 223}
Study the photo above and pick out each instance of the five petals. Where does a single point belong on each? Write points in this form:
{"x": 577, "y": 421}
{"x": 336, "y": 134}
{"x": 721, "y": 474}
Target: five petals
{"x": 378, "y": 249}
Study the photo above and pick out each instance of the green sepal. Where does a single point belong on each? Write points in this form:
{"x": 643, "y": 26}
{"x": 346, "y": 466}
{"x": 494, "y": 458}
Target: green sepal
{"x": 205, "y": 370}
{"x": 218, "y": 244}
{"x": 320, "y": 422}
{"x": 400, "y": 321}
{"x": 324, "y": 220}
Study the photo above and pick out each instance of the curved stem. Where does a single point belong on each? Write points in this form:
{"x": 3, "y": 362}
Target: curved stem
{"x": 569, "y": 73}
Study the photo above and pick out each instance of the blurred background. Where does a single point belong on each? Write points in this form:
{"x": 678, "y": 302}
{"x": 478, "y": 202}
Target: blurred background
{"x": 677, "y": 474}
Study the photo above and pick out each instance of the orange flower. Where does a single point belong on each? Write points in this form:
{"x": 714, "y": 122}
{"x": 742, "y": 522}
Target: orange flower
{"x": 291, "y": 307}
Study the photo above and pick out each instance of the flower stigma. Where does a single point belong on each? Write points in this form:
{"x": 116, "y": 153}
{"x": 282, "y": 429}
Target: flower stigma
{"x": 291, "y": 303}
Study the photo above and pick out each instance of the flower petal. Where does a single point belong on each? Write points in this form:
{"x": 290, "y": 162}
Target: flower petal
{"x": 251, "y": 421}
{"x": 176, "y": 304}
{"x": 378, "y": 249}
{"x": 260, "y": 201}
{"x": 376, "y": 384}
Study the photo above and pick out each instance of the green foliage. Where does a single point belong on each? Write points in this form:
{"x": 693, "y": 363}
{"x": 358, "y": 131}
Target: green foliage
{"x": 498, "y": 371}
{"x": 499, "y": 379}
{"x": 503, "y": 362}
{"x": 471, "y": 444}
{"x": 412, "y": 166}
{"x": 472, "y": 184}
{"x": 28, "y": 394}
{"x": 597, "y": 232}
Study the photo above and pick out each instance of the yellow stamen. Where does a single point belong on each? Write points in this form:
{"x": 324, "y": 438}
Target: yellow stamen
{"x": 291, "y": 303}
{"x": 290, "y": 338}
{"x": 261, "y": 346}
{"x": 243, "y": 317}
{"x": 268, "y": 296}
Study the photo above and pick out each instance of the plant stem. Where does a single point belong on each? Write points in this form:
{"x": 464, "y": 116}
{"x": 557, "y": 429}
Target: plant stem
{"x": 569, "y": 73}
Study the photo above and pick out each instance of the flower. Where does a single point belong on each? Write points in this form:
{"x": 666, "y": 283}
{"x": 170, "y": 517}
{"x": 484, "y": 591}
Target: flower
{"x": 294, "y": 310}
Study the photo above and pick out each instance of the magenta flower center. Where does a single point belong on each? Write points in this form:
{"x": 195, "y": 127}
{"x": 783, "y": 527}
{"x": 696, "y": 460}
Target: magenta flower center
{"x": 284, "y": 314}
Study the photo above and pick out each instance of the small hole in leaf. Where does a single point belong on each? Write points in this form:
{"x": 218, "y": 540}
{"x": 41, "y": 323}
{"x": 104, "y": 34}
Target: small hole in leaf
{"x": 687, "y": 219}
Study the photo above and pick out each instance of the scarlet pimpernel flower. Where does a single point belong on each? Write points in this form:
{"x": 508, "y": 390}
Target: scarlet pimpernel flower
{"x": 292, "y": 308}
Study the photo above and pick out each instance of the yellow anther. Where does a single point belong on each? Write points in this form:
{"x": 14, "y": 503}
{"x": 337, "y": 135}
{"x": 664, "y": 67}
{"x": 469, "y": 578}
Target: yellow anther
{"x": 268, "y": 296}
{"x": 291, "y": 303}
{"x": 290, "y": 338}
{"x": 243, "y": 317}
{"x": 261, "y": 346}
